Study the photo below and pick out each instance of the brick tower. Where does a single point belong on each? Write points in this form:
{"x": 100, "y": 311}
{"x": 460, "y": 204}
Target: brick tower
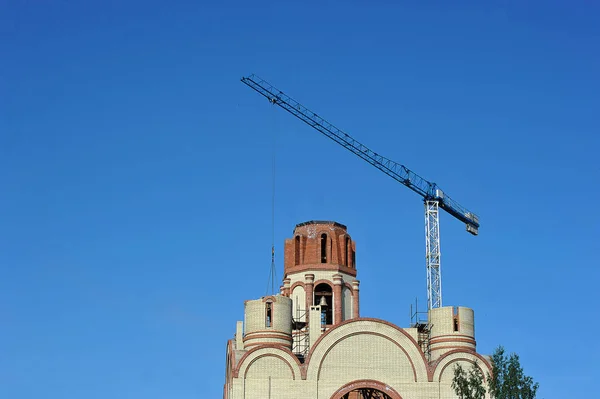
{"x": 320, "y": 270}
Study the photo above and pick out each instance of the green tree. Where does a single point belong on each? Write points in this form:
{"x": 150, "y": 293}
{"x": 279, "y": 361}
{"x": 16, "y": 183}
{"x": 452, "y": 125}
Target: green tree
{"x": 507, "y": 380}
{"x": 468, "y": 384}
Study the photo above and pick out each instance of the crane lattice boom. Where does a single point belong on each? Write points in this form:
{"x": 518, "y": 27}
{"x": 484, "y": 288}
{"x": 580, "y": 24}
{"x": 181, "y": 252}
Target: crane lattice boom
{"x": 431, "y": 193}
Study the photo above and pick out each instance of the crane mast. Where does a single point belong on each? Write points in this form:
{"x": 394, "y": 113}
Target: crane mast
{"x": 433, "y": 196}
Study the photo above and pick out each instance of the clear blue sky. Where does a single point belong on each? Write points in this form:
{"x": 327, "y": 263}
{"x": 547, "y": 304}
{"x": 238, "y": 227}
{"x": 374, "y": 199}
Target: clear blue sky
{"x": 135, "y": 175}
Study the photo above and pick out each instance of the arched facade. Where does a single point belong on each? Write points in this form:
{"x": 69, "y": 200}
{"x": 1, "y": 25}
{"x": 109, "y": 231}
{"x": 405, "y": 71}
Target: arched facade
{"x": 328, "y": 351}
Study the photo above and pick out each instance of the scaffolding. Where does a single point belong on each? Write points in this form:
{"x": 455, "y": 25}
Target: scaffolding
{"x": 419, "y": 320}
{"x": 300, "y": 338}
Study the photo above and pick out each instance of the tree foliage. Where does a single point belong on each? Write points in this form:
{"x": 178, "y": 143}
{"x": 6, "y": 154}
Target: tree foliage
{"x": 507, "y": 381}
{"x": 468, "y": 384}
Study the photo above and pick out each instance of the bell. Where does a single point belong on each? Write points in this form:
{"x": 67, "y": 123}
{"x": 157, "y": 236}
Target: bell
{"x": 323, "y": 302}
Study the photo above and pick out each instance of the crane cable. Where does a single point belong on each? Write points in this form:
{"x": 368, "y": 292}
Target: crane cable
{"x": 272, "y": 271}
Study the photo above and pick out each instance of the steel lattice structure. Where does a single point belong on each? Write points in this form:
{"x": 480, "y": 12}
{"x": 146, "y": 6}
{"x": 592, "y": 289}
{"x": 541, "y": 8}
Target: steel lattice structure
{"x": 433, "y": 196}
{"x": 432, "y": 254}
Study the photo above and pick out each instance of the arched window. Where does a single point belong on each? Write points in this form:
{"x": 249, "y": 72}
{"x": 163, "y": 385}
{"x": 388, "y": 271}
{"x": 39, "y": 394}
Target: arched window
{"x": 324, "y": 291}
{"x": 323, "y": 248}
{"x": 353, "y": 259}
{"x": 297, "y": 250}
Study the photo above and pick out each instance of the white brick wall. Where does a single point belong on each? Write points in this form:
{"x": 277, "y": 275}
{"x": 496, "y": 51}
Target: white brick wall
{"x": 364, "y": 349}
{"x": 269, "y": 366}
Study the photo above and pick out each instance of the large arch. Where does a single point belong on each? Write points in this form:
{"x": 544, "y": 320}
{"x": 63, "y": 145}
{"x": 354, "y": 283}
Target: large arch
{"x": 366, "y": 384}
{"x": 388, "y": 338}
{"x": 443, "y": 368}
{"x": 283, "y": 356}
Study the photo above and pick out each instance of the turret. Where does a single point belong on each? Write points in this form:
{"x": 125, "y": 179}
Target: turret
{"x": 452, "y": 327}
{"x": 268, "y": 321}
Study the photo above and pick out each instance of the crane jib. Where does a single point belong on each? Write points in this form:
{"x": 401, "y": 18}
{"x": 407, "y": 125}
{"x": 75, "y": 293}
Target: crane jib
{"x": 398, "y": 172}
{"x": 433, "y": 196}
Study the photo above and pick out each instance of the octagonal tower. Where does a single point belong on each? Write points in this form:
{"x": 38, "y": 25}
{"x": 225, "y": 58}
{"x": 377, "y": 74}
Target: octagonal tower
{"x": 320, "y": 270}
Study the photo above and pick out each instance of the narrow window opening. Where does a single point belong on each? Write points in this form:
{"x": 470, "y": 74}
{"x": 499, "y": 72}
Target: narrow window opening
{"x": 455, "y": 317}
{"x": 268, "y": 314}
{"x": 297, "y": 250}
{"x": 354, "y": 259}
{"x": 323, "y": 248}
{"x": 346, "y": 251}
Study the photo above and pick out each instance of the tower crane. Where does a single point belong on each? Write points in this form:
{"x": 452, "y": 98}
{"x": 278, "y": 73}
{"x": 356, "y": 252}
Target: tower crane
{"x": 434, "y": 198}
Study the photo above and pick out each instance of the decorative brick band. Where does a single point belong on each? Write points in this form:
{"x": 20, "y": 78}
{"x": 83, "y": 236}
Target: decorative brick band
{"x": 267, "y": 332}
{"x": 464, "y": 348}
{"x": 321, "y": 266}
{"x": 453, "y": 336}
{"x": 267, "y": 336}
{"x": 262, "y": 344}
{"x": 436, "y": 340}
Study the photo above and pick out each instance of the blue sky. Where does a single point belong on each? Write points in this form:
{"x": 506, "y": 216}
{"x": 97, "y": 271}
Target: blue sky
{"x": 136, "y": 178}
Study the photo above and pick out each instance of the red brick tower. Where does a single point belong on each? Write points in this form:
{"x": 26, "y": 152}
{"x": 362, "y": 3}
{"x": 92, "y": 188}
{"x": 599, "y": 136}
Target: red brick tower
{"x": 320, "y": 269}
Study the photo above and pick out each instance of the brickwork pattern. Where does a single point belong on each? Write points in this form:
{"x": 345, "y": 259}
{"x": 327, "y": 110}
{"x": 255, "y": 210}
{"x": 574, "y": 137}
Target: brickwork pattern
{"x": 357, "y": 350}
{"x": 303, "y": 251}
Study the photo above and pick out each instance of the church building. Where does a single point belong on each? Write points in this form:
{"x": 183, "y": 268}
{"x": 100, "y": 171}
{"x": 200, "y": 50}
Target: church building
{"x": 311, "y": 342}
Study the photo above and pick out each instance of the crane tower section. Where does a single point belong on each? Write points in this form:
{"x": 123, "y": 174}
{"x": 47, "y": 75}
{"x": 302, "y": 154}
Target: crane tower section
{"x": 433, "y": 196}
